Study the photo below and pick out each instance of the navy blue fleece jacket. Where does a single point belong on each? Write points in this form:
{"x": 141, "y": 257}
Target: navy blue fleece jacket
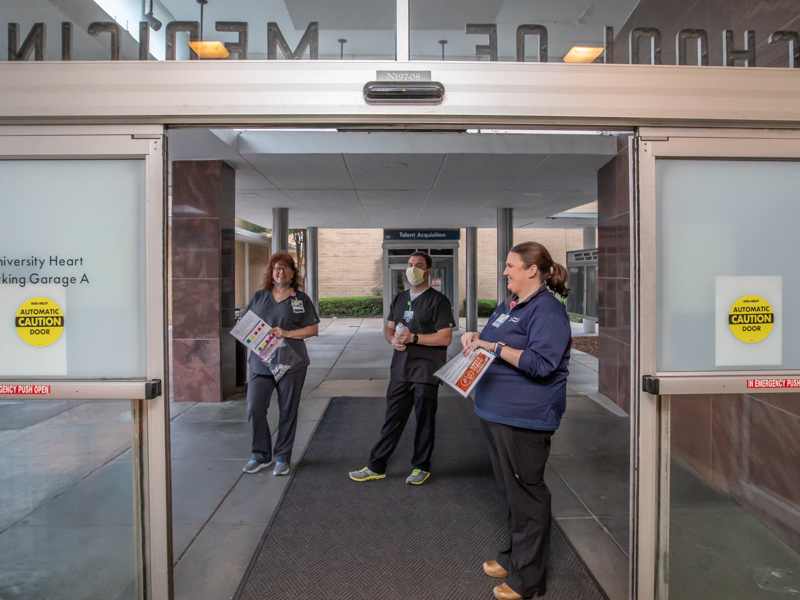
{"x": 534, "y": 394}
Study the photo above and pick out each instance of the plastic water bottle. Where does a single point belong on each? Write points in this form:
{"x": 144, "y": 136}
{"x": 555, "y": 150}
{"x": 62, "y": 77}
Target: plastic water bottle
{"x": 400, "y": 328}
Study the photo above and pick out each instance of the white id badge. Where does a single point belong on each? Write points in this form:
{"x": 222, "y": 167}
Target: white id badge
{"x": 297, "y": 306}
{"x": 500, "y": 320}
{"x": 408, "y": 315}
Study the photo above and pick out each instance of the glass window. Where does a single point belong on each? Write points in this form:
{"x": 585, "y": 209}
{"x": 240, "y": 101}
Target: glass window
{"x": 577, "y": 294}
{"x": 66, "y": 500}
{"x": 72, "y": 259}
{"x": 734, "y": 497}
{"x": 727, "y": 280}
{"x": 185, "y": 30}
{"x": 520, "y": 30}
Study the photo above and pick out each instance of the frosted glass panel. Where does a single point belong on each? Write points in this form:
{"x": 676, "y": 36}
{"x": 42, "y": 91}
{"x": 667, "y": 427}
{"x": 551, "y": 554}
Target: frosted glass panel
{"x": 73, "y": 246}
{"x": 727, "y": 231}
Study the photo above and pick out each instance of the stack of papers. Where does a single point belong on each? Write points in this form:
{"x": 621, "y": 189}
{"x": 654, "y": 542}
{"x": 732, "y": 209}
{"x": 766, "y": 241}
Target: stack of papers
{"x": 463, "y": 372}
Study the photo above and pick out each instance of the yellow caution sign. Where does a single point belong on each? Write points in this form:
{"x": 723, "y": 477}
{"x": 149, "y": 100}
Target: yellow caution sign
{"x": 40, "y": 322}
{"x": 751, "y": 319}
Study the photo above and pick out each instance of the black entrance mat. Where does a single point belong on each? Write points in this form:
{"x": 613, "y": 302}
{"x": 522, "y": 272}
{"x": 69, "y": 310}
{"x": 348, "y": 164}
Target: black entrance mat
{"x": 336, "y": 538}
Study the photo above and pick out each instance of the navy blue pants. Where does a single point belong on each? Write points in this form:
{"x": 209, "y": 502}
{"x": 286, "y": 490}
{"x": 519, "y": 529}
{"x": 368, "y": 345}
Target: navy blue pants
{"x": 518, "y": 459}
{"x": 401, "y": 397}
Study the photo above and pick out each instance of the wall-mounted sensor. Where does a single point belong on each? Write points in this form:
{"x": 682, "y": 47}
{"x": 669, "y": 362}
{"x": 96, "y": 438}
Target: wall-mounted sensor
{"x": 403, "y": 92}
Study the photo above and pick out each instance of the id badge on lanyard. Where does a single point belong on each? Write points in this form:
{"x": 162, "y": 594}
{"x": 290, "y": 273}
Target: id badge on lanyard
{"x": 297, "y": 306}
{"x": 500, "y": 320}
{"x": 408, "y": 314}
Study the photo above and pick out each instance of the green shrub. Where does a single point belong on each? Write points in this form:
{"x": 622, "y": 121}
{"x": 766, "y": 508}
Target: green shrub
{"x": 485, "y": 308}
{"x": 369, "y": 306}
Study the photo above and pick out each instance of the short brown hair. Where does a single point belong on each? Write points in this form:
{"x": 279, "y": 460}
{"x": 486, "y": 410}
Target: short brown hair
{"x": 284, "y": 257}
{"x": 553, "y": 274}
{"x": 426, "y": 256}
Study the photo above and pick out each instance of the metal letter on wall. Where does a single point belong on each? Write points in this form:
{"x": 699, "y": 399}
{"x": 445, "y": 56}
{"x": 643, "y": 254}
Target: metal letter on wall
{"x": 655, "y": 44}
{"x": 107, "y": 27}
{"x": 34, "y": 43}
{"x": 144, "y": 40}
{"x": 240, "y": 45}
{"x": 66, "y": 40}
{"x": 730, "y": 55}
{"x": 684, "y": 35}
{"x": 309, "y": 40}
{"x": 793, "y": 39}
{"x": 489, "y": 50}
{"x": 173, "y": 27}
{"x": 608, "y": 46}
{"x": 524, "y": 30}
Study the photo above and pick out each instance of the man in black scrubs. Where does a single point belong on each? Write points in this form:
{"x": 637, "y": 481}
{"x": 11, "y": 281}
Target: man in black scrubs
{"x": 419, "y": 328}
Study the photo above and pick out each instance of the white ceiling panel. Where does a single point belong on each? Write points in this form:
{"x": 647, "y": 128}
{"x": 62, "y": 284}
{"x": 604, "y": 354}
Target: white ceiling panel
{"x": 303, "y": 171}
{"x": 394, "y": 171}
{"x": 375, "y": 180}
{"x": 484, "y": 172}
{"x": 392, "y": 199}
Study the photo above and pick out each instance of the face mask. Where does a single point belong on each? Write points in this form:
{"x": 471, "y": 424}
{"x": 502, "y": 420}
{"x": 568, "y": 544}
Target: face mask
{"x": 415, "y": 275}
{"x": 279, "y": 284}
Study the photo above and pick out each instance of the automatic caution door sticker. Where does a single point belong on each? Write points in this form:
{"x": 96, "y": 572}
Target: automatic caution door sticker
{"x": 748, "y": 321}
{"x": 751, "y": 319}
{"x": 39, "y": 322}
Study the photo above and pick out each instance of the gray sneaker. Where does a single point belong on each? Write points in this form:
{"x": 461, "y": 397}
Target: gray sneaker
{"x": 417, "y": 477}
{"x": 254, "y": 466}
{"x": 281, "y": 468}
{"x": 365, "y": 475}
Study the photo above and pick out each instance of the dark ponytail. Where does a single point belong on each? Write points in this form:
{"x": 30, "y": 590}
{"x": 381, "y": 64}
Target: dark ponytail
{"x": 553, "y": 274}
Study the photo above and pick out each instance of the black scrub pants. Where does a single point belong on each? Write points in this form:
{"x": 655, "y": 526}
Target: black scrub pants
{"x": 518, "y": 459}
{"x": 401, "y": 396}
{"x": 259, "y": 392}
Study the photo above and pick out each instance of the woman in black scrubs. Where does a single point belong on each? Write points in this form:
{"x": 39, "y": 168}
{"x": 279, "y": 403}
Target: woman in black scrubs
{"x": 291, "y": 314}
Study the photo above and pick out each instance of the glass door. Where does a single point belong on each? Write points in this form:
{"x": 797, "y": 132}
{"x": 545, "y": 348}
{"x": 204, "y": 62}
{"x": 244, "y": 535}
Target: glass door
{"x": 83, "y": 416}
{"x": 718, "y": 370}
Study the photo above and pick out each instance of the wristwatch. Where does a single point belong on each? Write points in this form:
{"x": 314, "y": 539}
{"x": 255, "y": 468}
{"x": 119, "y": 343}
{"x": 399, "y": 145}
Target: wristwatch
{"x": 416, "y": 337}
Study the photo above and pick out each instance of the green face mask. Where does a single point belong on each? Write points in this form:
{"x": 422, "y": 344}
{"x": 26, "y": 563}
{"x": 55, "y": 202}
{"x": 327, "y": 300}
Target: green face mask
{"x": 415, "y": 275}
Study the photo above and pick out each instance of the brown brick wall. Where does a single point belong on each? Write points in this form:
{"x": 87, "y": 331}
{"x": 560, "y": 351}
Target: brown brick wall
{"x": 339, "y": 247}
{"x": 259, "y": 259}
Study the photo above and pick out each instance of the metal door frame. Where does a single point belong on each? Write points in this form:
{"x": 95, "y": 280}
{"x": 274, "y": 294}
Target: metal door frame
{"x": 651, "y": 410}
{"x": 150, "y": 435}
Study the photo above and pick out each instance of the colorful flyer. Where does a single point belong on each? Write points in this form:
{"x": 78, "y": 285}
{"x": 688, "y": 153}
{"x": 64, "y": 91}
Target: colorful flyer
{"x": 253, "y": 332}
{"x": 462, "y": 373}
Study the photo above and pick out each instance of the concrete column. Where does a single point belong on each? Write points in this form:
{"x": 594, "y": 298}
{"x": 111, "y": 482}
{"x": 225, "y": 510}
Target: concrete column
{"x": 590, "y": 237}
{"x": 203, "y": 285}
{"x": 472, "y": 279}
{"x": 246, "y": 272}
{"x": 505, "y": 239}
{"x": 312, "y": 265}
{"x": 280, "y": 229}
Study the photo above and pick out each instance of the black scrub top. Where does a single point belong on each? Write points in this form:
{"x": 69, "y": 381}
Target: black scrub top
{"x": 296, "y": 312}
{"x": 430, "y": 312}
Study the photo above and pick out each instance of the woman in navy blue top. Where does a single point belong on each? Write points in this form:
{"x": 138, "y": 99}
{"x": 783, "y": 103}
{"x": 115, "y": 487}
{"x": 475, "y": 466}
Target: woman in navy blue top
{"x": 520, "y": 401}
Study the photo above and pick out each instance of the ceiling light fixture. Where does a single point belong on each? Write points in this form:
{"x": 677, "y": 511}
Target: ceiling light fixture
{"x": 207, "y": 49}
{"x": 251, "y": 195}
{"x": 583, "y": 54}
